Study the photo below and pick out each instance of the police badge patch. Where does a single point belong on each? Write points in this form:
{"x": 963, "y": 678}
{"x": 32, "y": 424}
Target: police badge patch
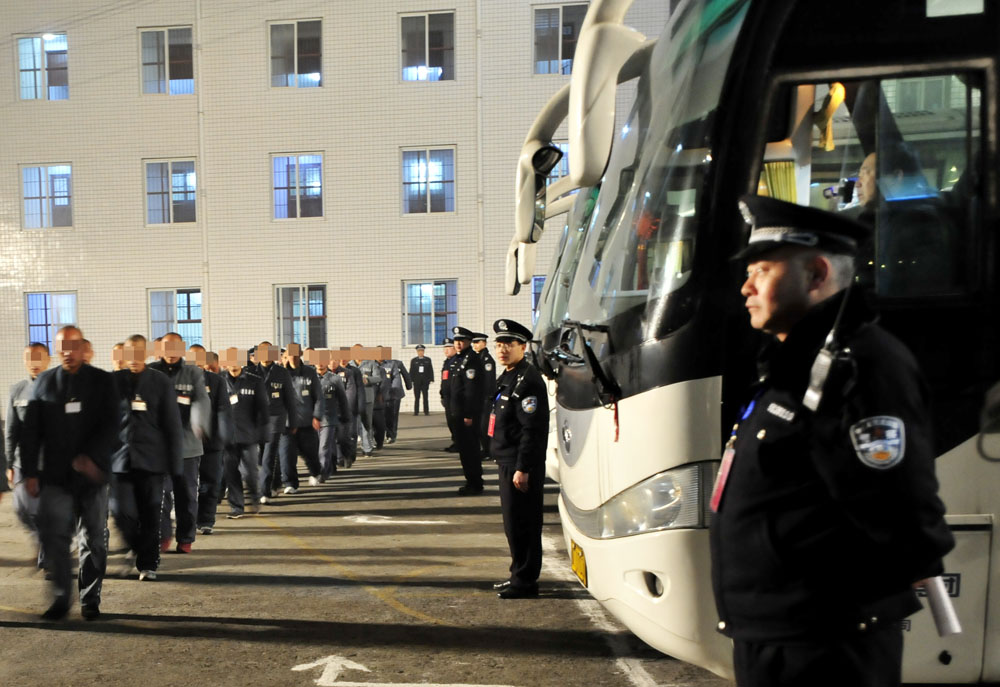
{"x": 529, "y": 404}
{"x": 489, "y": 367}
{"x": 879, "y": 441}
{"x": 471, "y": 374}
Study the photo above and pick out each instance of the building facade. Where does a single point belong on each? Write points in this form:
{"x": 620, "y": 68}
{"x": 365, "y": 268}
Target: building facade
{"x": 330, "y": 174}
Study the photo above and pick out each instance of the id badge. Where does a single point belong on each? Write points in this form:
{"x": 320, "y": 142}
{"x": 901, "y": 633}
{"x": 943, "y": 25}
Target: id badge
{"x": 73, "y": 407}
{"x": 184, "y": 400}
{"x": 139, "y": 405}
{"x": 420, "y": 370}
{"x": 305, "y": 392}
{"x": 720, "y": 479}
{"x": 493, "y": 423}
{"x": 275, "y": 394}
{"x": 234, "y": 399}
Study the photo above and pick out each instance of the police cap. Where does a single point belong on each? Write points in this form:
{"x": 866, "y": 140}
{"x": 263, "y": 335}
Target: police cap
{"x": 509, "y": 330}
{"x": 479, "y": 336}
{"x": 777, "y": 223}
{"x": 448, "y": 342}
{"x": 420, "y": 347}
{"x": 460, "y": 333}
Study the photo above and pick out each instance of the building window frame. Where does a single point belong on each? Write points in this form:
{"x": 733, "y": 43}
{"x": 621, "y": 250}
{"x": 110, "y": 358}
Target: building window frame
{"x": 564, "y": 64}
{"x": 178, "y": 190}
{"x": 184, "y": 316}
{"x": 428, "y": 324}
{"x": 426, "y": 75}
{"x": 52, "y": 184}
{"x": 417, "y": 170}
{"x": 169, "y": 62}
{"x": 308, "y": 325}
{"x": 285, "y": 189}
{"x": 295, "y": 78}
{"x": 537, "y": 288}
{"x": 37, "y": 70}
{"x": 52, "y": 306}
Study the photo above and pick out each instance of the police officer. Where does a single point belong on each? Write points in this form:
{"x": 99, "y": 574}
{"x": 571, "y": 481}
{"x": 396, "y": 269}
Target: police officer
{"x": 283, "y": 408}
{"x": 466, "y": 401}
{"x": 518, "y": 427}
{"x": 827, "y": 506}
{"x": 398, "y": 377}
{"x": 36, "y": 361}
{"x": 422, "y": 374}
{"x": 445, "y": 391}
{"x": 196, "y": 411}
{"x": 72, "y": 417}
{"x": 151, "y": 445}
{"x": 249, "y": 399}
{"x": 210, "y": 467}
{"x": 489, "y": 388}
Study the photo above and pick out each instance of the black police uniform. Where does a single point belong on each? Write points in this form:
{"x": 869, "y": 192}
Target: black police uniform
{"x": 422, "y": 374}
{"x": 465, "y": 400}
{"x": 825, "y": 518}
{"x": 519, "y": 429}
{"x": 445, "y": 391}
{"x": 489, "y": 392}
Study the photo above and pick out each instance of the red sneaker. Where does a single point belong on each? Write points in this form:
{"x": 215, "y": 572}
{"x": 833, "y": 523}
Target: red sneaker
{"x": 184, "y": 547}
{"x": 165, "y": 545}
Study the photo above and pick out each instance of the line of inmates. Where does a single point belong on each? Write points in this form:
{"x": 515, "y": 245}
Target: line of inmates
{"x": 146, "y": 439}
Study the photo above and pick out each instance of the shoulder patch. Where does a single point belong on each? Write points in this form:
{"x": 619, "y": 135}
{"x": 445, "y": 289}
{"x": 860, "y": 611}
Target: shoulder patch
{"x": 471, "y": 373}
{"x": 529, "y": 404}
{"x": 489, "y": 367}
{"x": 879, "y": 441}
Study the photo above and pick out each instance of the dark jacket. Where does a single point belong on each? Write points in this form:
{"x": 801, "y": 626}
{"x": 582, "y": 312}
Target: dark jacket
{"x": 222, "y": 415}
{"x": 421, "y": 371}
{"x": 248, "y": 398}
{"x": 489, "y": 375}
{"x": 397, "y": 375}
{"x": 827, "y": 517}
{"x": 353, "y": 387}
{"x": 150, "y": 434}
{"x": 283, "y": 403}
{"x": 466, "y": 385}
{"x": 192, "y": 402}
{"x": 446, "y": 378}
{"x": 17, "y": 408}
{"x": 69, "y": 415}
{"x": 309, "y": 394}
{"x": 521, "y": 419}
{"x": 334, "y": 399}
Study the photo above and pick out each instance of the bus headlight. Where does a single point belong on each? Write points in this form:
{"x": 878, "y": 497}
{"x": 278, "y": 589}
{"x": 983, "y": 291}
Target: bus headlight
{"x": 673, "y": 499}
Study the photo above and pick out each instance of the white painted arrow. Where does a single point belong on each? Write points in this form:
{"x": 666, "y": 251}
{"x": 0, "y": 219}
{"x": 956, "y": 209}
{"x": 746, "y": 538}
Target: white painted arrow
{"x": 383, "y": 519}
{"x": 333, "y": 665}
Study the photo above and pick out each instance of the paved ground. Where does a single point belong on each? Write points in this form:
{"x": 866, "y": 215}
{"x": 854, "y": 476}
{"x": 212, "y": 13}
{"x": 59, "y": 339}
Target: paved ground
{"x": 380, "y": 577}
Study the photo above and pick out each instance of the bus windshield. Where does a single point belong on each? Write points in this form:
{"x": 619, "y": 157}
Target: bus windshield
{"x": 641, "y": 247}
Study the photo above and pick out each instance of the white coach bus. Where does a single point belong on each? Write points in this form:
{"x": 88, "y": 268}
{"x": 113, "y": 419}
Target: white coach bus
{"x": 886, "y": 110}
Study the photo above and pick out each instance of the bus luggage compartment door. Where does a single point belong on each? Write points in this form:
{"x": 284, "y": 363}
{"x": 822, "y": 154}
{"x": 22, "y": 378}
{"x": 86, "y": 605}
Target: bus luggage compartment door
{"x": 928, "y": 658}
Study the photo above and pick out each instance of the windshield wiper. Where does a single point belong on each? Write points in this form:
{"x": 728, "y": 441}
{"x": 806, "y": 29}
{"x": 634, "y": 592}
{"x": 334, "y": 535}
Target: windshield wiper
{"x": 608, "y": 390}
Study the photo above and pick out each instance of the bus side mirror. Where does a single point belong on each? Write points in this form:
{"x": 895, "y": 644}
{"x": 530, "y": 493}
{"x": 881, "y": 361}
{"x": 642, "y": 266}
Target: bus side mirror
{"x": 989, "y": 426}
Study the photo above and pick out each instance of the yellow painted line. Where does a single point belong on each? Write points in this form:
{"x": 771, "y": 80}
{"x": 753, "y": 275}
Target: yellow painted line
{"x": 382, "y": 595}
{"x": 13, "y": 609}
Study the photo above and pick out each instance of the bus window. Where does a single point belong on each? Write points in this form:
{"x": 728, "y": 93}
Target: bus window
{"x": 899, "y": 154}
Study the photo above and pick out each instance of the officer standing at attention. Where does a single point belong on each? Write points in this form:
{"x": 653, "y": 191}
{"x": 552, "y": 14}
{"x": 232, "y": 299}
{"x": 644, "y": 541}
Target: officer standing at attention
{"x": 518, "y": 427}
{"x": 466, "y": 382}
{"x": 36, "y": 361}
{"x": 422, "y": 374}
{"x": 489, "y": 389}
{"x": 72, "y": 418}
{"x": 827, "y": 511}
{"x": 445, "y": 390}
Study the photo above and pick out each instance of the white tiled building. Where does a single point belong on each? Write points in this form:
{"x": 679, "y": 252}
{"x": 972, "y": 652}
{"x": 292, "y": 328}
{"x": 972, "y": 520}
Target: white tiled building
{"x": 207, "y": 165}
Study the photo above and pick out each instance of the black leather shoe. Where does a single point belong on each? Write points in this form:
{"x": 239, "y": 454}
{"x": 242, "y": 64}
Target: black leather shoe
{"x": 451, "y": 449}
{"x": 90, "y": 612}
{"x": 470, "y": 491}
{"x": 501, "y": 585}
{"x": 57, "y": 611}
{"x": 513, "y": 592}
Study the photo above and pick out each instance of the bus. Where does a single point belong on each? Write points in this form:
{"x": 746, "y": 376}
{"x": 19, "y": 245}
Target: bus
{"x": 888, "y": 111}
